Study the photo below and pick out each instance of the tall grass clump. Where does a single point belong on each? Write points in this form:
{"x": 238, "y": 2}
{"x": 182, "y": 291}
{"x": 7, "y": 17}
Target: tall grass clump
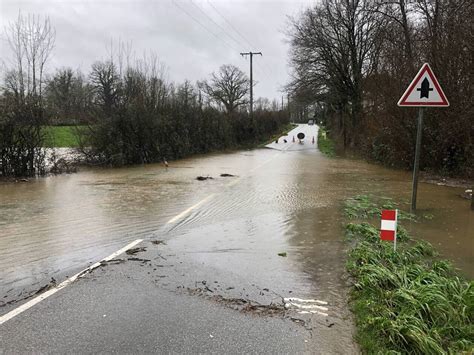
{"x": 326, "y": 144}
{"x": 407, "y": 301}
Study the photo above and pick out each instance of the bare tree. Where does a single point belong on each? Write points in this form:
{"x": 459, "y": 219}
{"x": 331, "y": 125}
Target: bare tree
{"x": 31, "y": 40}
{"x": 228, "y": 87}
{"x": 106, "y": 81}
{"x": 332, "y": 45}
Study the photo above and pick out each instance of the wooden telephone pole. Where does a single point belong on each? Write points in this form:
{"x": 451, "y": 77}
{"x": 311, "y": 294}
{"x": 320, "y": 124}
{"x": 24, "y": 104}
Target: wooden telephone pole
{"x": 251, "y": 54}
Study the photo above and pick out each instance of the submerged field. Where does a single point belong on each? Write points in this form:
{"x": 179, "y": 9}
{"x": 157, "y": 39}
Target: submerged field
{"x": 61, "y": 136}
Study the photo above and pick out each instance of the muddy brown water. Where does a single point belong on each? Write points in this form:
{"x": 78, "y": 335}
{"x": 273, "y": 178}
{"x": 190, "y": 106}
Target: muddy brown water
{"x": 279, "y": 201}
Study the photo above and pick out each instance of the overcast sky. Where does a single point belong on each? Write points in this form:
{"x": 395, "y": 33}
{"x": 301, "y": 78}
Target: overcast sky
{"x": 191, "y": 37}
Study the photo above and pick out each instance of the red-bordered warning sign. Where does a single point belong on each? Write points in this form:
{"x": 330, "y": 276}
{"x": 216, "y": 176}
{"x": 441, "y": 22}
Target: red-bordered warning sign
{"x": 424, "y": 90}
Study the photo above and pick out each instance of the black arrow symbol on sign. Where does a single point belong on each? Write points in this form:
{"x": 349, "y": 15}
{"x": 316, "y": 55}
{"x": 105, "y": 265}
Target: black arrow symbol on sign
{"x": 425, "y": 88}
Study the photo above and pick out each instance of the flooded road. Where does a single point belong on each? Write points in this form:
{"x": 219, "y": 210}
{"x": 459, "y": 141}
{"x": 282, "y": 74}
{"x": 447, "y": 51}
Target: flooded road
{"x": 286, "y": 200}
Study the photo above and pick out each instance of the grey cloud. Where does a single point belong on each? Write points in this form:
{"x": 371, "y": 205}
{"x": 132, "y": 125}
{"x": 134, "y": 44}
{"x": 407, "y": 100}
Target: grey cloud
{"x": 85, "y": 28}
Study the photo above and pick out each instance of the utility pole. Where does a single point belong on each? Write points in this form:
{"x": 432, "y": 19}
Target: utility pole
{"x": 251, "y": 54}
{"x": 288, "y": 105}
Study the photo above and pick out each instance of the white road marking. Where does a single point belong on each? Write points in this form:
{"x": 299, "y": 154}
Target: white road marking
{"x": 63, "y": 284}
{"x": 234, "y": 182}
{"x": 311, "y": 306}
{"x": 204, "y": 200}
{"x": 264, "y": 163}
{"x": 185, "y": 212}
{"x": 306, "y": 306}
{"x": 291, "y": 299}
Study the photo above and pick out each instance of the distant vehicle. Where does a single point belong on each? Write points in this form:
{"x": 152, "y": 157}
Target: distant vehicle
{"x": 311, "y": 122}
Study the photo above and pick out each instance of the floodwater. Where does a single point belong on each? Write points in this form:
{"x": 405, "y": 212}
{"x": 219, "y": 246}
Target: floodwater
{"x": 284, "y": 200}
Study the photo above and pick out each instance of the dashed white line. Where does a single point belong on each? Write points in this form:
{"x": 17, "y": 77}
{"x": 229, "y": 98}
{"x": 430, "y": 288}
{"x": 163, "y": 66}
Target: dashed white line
{"x": 185, "y": 212}
{"x": 63, "y": 284}
{"x": 306, "y": 306}
{"x": 294, "y": 299}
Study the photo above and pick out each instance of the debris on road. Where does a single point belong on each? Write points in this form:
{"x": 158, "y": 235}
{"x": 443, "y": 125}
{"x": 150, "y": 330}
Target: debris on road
{"x": 282, "y": 254}
{"x": 136, "y": 250}
{"x": 158, "y": 242}
{"x": 227, "y": 175}
{"x": 112, "y": 261}
{"x": 203, "y": 178}
{"x": 139, "y": 259}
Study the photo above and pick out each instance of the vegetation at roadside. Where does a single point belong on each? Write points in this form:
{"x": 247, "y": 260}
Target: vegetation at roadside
{"x": 352, "y": 61}
{"x": 326, "y": 144}
{"x": 128, "y": 110}
{"x": 61, "y": 136}
{"x": 408, "y": 301}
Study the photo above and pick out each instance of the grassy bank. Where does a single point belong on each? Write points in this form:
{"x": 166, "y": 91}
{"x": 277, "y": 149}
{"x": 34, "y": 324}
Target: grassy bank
{"x": 61, "y": 136}
{"x": 408, "y": 301}
{"x": 325, "y": 144}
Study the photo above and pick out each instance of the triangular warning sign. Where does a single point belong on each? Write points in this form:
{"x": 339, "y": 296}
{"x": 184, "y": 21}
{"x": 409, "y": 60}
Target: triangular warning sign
{"x": 424, "y": 90}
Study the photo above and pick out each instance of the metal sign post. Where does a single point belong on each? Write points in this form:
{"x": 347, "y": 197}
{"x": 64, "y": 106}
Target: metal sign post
{"x": 416, "y": 166}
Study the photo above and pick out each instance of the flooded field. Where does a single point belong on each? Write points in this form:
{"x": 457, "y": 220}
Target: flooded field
{"x": 278, "y": 201}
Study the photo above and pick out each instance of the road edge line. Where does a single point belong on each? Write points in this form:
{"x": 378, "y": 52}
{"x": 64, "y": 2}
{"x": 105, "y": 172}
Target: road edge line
{"x": 13, "y": 313}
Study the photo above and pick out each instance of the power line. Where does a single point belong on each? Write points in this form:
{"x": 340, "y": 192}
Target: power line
{"x": 215, "y": 23}
{"x": 237, "y": 41}
{"x": 230, "y": 24}
{"x": 203, "y": 26}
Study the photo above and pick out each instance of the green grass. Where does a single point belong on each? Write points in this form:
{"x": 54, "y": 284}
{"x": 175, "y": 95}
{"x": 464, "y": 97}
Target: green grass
{"x": 367, "y": 206}
{"x": 408, "y": 301}
{"x": 61, "y": 136}
{"x": 325, "y": 144}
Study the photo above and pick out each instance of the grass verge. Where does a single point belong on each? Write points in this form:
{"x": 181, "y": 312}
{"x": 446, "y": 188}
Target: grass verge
{"x": 408, "y": 301}
{"x": 61, "y": 136}
{"x": 325, "y": 144}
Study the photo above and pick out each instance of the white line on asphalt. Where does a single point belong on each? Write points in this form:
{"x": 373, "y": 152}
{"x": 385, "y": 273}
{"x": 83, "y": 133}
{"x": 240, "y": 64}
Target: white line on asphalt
{"x": 63, "y": 284}
{"x": 306, "y": 306}
{"x": 264, "y": 163}
{"x": 185, "y": 212}
{"x": 311, "y": 306}
{"x": 234, "y": 182}
{"x": 291, "y": 299}
{"x": 204, "y": 200}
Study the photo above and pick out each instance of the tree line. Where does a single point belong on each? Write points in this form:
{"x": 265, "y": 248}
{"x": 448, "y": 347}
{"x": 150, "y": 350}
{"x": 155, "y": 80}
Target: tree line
{"x": 128, "y": 112}
{"x": 353, "y": 59}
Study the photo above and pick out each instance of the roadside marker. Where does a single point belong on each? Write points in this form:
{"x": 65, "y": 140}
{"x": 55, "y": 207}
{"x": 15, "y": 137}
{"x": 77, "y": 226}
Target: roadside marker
{"x": 388, "y": 228}
{"x": 63, "y": 284}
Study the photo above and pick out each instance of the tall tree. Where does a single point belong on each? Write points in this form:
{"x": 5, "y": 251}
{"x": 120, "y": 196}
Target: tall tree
{"x": 229, "y": 87}
{"x": 332, "y": 45}
{"x": 31, "y": 40}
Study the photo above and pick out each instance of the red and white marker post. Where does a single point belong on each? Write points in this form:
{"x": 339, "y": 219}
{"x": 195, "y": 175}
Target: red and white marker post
{"x": 388, "y": 228}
